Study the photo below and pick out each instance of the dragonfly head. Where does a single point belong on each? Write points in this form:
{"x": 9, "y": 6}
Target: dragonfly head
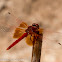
{"x": 35, "y": 25}
{"x": 33, "y": 29}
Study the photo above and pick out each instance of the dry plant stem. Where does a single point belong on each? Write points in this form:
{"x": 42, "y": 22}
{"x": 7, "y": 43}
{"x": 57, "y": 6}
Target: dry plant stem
{"x": 36, "y": 51}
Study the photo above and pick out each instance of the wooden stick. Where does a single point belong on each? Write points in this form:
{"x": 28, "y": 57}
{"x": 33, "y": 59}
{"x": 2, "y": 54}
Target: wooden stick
{"x": 36, "y": 51}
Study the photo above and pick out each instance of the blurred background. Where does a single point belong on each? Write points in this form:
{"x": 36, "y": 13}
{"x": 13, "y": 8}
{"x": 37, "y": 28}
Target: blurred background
{"x": 47, "y": 13}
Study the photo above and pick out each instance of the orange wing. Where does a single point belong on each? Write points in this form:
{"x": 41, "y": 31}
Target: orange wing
{"x": 40, "y": 31}
{"x": 23, "y": 25}
{"x": 29, "y": 40}
{"x": 20, "y": 30}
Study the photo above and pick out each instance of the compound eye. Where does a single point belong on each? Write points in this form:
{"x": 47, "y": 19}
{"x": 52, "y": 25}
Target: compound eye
{"x": 36, "y": 25}
{"x": 33, "y": 24}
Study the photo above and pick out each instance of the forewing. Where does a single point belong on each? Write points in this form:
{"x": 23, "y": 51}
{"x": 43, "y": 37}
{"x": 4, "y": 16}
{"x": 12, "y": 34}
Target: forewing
{"x": 18, "y": 32}
{"x": 23, "y": 25}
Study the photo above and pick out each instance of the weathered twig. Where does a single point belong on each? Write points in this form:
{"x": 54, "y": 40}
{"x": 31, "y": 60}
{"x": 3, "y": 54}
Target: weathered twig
{"x": 36, "y": 51}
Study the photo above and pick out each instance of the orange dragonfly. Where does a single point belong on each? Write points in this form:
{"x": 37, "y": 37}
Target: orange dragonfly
{"x": 30, "y": 32}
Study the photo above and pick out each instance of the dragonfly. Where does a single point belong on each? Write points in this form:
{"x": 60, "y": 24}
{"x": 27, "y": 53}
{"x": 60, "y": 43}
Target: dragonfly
{"x": 30, "y": 32}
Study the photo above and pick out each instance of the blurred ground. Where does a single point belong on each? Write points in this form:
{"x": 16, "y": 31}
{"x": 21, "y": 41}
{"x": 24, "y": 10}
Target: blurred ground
{"x": 47, "y": 13}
